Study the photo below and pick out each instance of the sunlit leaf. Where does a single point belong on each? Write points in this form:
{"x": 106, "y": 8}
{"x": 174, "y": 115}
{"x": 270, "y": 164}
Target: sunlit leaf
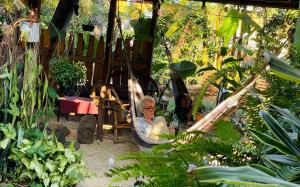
{"x": 52, "y": 93}
{"x": 282, "y": 69}
{"x": 229, "y": 26}
{"x": 172, "y": 28}
{"x": 158, "y": 66}
{"x": 184, "y": 68}
{"x": 4, "y": 143}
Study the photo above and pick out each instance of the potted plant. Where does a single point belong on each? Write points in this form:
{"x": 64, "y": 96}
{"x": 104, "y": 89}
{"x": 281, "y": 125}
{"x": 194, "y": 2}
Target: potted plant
{"x": 68, "y": 75}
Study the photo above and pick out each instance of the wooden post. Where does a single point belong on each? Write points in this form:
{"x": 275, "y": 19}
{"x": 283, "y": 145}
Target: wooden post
{"x": 155, "y": 9}
{"x": 106, "y": 61}
{"x": 109, "y": 38}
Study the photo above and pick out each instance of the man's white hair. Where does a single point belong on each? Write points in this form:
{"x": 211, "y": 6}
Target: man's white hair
{"x": 146, "y": 98}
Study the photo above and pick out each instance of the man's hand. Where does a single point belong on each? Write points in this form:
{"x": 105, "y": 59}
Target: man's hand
{"x": 171, "y": 129}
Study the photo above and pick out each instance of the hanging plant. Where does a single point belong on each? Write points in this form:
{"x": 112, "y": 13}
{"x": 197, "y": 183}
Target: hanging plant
{"x": 68, "y": 75}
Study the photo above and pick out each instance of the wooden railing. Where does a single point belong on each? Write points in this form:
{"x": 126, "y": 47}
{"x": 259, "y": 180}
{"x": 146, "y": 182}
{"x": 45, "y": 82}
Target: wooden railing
{"x": 92, "y": 54}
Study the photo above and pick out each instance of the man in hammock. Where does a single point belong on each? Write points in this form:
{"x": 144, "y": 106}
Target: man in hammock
{"x": 148, "y": 127}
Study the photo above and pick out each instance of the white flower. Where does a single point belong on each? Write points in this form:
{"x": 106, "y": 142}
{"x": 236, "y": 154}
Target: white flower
{"x": 191, "y": 168}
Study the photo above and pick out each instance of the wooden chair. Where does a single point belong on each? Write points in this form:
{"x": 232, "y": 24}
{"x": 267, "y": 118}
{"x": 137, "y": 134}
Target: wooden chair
{"x": 114, "y": 107}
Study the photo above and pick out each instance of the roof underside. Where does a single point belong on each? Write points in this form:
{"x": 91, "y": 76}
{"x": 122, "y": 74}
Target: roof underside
{"x": 288, "y": 4}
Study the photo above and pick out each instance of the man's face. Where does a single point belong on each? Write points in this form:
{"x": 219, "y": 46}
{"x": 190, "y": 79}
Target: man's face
{"x": 148, "y": 110}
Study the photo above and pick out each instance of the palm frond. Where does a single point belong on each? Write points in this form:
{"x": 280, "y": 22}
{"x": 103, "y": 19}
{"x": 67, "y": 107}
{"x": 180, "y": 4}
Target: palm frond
{"x": 245, "y": 176}
{"x": 289, "y": 173}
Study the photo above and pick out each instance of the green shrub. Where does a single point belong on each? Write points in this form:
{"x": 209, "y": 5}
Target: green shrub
{"x": 66, "y": 73}
{"x": 29, "y": 157}
{"x": 46, "y": 162}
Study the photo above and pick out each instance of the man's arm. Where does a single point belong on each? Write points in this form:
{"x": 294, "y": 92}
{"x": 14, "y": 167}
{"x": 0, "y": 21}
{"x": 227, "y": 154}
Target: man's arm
{"x": 145, "y": 131}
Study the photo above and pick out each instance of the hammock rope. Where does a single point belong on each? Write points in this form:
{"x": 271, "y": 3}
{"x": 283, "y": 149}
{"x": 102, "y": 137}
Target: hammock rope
{"x": 134, "y": 88}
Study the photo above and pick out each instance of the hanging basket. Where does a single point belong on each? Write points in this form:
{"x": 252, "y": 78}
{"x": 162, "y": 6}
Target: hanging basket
{"x": 70, "y": 91}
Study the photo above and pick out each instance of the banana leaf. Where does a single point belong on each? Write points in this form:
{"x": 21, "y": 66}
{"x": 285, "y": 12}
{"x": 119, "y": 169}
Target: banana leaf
{"x": 229, "y": 25}
{"x": 244, "y": 176}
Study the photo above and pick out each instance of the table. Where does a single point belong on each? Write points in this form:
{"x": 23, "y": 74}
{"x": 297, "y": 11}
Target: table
{"x": 81, "y": 105}
{"x": 77, "y": 105}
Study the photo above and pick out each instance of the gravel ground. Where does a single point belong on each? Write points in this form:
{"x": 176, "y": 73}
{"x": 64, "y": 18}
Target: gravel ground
{"x": 96, "y": 155}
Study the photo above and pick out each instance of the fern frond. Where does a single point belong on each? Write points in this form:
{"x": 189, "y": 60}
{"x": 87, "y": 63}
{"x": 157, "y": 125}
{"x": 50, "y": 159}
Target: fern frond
{"x": 168, "y": 182}
{"x": 204, "y": 146}
{"x": 225, "y": 132}
{"x": 146, "y": 156}
{"x": 146, "y": 169}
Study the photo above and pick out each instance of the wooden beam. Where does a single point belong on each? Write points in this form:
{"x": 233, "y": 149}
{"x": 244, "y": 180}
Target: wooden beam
{"x": 109, "y": 38}
{"x": 61, "y": 18}
{"x": 292, "y": 4}
{"x": 155, "y": 10}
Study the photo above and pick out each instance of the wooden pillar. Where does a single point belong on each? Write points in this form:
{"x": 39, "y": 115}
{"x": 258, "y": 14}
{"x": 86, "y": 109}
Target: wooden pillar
{"x": 109, "y": 38}
{"x": 106, "y": 61}
{"x": 155, "y": 9}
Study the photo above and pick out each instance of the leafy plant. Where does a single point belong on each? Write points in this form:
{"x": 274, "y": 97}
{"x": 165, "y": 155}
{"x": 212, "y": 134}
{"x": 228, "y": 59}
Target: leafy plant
{"x": 174, "y": 164}
{"x": 46, "y": 162}
{"x": 66, "y": 73}
{"x": 223, "y": 78}
{"x": 28, "y": 156}
{"x": 282, "y": 151}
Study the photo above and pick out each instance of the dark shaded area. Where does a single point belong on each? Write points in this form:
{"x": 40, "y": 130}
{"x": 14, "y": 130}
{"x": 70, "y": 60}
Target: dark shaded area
{"x": 86, "y": 130}
{"x": 62, "y": 17}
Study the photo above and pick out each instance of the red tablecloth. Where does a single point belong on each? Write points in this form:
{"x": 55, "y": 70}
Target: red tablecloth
{"x": 78, "y": 105}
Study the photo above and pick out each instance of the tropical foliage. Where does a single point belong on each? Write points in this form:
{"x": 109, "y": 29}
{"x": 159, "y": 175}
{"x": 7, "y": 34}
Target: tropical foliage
{"x": 281, "y": 153}
{"x": 222, "y": 50}
{"x": 186, "y": 161}
{"x": 28, "y": 155}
